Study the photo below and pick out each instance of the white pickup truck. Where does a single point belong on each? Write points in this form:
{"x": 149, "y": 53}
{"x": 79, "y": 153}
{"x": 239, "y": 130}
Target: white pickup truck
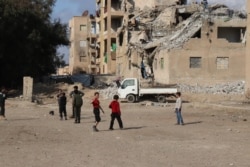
{"x": 130, "y": 89}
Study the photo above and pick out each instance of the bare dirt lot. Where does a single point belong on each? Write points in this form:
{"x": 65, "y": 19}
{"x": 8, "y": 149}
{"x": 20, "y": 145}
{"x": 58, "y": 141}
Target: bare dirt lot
{"x": 211, "y": 137}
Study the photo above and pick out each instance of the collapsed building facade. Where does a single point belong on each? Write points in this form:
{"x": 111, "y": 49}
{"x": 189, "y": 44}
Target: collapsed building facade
{"x": 173, "y": 42}
{"x": 164, "y": 42}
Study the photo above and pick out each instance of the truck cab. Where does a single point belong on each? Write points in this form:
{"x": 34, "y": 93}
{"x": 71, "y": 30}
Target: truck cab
{"x": 129, "y": 89}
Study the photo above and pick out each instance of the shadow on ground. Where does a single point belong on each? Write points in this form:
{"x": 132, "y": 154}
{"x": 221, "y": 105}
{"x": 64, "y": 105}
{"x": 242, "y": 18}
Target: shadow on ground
{"x": 127, "y": 128}
{"x": 197, "y": 122}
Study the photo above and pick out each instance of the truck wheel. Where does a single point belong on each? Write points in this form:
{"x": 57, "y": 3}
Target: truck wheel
{"x": 131, "y": 98}
{"x": 161, "y": 99}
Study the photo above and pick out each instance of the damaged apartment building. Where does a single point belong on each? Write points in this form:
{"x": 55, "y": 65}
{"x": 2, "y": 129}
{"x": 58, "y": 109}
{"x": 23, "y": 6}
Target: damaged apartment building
{"x": 172, "y": 42}
{"x": 93, "y": 39}
{"x": 162, "y": 42}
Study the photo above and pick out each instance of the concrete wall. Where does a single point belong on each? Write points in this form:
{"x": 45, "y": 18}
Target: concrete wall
{"x": 124, "y": 67}
{"x": 107, "y": 35}
{"x": 248, "y": 51}
{"x": 27, "y": 88}
{"x": 178, "y": 69}
{"x": 177, "y": 61}
{"x": 76, "y": 63}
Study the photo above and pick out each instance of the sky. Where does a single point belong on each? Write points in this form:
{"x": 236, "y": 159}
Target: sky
{"x": 66, "y": 9}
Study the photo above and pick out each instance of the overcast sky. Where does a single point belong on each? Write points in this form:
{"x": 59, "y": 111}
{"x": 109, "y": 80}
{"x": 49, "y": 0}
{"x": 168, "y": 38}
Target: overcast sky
{"x": 66, "y": 9}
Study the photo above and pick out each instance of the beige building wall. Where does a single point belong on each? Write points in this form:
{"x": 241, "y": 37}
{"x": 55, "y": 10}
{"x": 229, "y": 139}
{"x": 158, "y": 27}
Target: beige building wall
{"x": 220, "y": 60}
{"x": 93, "y": 56}
{"x": 109, "y": 21}
{"x": 126, "y": 65}
{"x": 247, "y": 70}
{"x": 126, "y": 62}
{"x": 78, "y": 59}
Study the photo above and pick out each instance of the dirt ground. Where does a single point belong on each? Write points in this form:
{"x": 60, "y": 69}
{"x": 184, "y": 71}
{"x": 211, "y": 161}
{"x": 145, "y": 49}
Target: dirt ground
{"x": 211, "y": 137}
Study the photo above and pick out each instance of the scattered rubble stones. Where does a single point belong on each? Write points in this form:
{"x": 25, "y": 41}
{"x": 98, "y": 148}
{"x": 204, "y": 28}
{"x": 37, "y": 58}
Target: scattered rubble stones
{"x": 234, "y": 88}
{"x": 109, "y": 92}
{"x": 227, "y": 88}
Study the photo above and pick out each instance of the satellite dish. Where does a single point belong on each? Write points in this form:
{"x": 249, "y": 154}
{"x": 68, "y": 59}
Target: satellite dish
{"x": 85, "y": 13}
{"x": 92, "y": 16}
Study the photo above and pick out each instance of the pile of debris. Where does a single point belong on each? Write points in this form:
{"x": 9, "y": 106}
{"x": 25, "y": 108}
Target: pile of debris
{"x": 235, "y": 88}
{"x": 109, "y": 92}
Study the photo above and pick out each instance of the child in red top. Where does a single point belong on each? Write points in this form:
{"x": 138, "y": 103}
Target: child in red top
{"x": 96, "y": 110}
{"x": 116, "y": 112}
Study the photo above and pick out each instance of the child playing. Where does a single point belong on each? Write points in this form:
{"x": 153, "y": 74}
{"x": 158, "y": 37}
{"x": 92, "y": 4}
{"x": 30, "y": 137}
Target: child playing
{"x": 116, "y": 112}
{"x": 62, "y": 106}
{"x": 96, "y": 110}
{"x": 178, "y": 106}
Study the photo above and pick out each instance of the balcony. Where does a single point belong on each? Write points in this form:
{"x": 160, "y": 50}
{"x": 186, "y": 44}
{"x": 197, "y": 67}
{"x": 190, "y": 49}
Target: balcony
{"x": 113, "y": 55}
{"x": 97, "y": 19}
{"x": 91, "y": 36}
{"x": 117, "y": 14}
{"x": 94, "y": 66}
{"x": 98, "y": 61}
{"x": 113, "y": 13}
{"x": 98, "y": 13}
{"x": 92, "y": 50}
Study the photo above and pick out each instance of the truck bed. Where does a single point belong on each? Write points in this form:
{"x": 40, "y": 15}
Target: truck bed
{"x": 158, "y": 90}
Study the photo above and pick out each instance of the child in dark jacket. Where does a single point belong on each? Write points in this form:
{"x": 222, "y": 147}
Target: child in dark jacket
{"x": 116, "y": 112}
{"x": 62, "y": 106}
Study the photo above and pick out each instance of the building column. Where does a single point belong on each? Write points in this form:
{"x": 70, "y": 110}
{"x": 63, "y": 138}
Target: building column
{"x": 109, "y": 37}
{"x": 247, "y": 72}
{"x": 102, "y": 42}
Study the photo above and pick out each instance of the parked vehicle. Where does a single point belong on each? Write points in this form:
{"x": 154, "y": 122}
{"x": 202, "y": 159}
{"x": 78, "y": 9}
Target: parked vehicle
{"x": 131, "y": 90}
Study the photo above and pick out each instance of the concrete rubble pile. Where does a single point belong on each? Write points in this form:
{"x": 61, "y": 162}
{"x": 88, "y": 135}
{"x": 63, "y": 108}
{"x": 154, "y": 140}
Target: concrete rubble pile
{"x": 180, "y": 35}
{"x": 169, "y": 26}
{"x": 109, "y": 92}
{"x": 227, "y": 88}
{"x": 234, "y": 88}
